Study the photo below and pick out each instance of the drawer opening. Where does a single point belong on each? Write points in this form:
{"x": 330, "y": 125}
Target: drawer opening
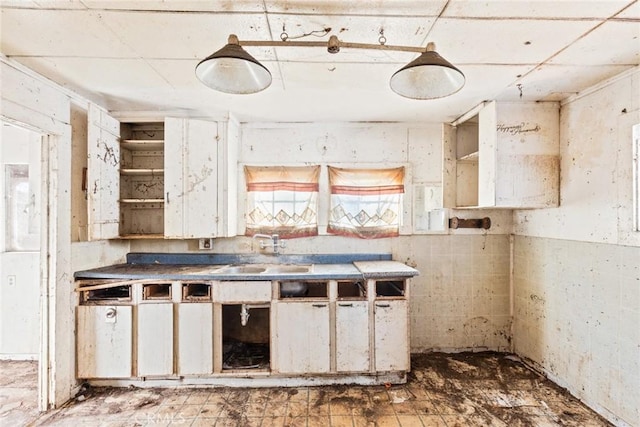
{"x": 156, "y": 291}
{"x": 302, "y": 289}
{"x": 196, "y": 292}
{"x": 246, "y": 337}
{"x": 117, "y": 293}
{"x": 390, "y": 288}
{"x": 352, "y": 290}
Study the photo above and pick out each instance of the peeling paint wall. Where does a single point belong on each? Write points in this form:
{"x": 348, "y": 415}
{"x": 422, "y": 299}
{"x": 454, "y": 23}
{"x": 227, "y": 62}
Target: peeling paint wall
{"x": 577, "y": 267}
{"x": 460, "y": 300}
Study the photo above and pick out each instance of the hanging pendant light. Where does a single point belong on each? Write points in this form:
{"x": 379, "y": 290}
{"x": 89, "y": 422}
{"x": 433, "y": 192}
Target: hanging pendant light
{"x": 429, "y": 76}
{"x": 232, "y": 70}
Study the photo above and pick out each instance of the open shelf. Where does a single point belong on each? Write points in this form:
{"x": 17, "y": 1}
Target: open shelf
{"x": 141, "y": 171}
{"x": 142, "y": 144}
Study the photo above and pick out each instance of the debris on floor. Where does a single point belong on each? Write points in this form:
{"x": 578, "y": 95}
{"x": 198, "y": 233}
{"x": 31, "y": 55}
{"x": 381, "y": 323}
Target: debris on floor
{"x": 444, "y": 390}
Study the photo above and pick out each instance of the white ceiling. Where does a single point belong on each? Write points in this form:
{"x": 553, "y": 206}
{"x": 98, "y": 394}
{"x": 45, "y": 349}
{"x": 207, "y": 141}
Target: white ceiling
{"x": 140, "y": 55}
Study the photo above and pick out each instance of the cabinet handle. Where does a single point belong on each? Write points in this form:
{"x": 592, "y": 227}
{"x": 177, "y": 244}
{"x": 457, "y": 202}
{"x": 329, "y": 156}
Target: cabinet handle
{"x": 319, "y": 305}
{"x": 345, "y": 305}
{"x": 383, "y": 305}
{"x": 168, "y": 197}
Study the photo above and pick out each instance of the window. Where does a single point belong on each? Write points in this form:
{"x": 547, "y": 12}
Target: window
{"x": 22, "y": 225}
{"x": 282, "y": 200}
{"x": 366, "y": 203}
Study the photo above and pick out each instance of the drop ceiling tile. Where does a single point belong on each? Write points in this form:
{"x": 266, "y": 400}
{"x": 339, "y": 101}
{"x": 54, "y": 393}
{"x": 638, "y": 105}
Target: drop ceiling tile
{"x": 73, "y": 34}
{"x": 406, "y": 8}
{"x": 339, "y": 77}
{"x": 631, "y": 12}
{"x": 354, "y": 29}
{"x": 518, "y": 41}
{"x": 98, "y": 74}
{"x": 557, "y": 82}
{"x": 534, "y": 8}
{"x": 60, "y": 4}
{"x": 614, "y": 42}
{"x": 177, "y": 5}
{"x": 19, "y": 3}
{"x": 185, "y": 35}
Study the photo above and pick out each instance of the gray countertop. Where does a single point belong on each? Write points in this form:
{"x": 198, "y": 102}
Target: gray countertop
{"x": 353, "y": 270}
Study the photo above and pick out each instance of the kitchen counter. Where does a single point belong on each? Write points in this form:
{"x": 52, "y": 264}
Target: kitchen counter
{"x": 321, "y": 267}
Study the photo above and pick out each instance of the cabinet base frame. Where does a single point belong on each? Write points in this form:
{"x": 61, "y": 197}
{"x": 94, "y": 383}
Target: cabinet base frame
{"x": 256, "y": 379}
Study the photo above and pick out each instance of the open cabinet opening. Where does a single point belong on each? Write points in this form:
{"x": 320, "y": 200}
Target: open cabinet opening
{"x": 245, "y": 337}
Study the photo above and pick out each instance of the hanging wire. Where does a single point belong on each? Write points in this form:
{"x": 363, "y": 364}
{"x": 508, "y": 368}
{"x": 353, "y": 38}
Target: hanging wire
{"x": 382, "y": 39}
{"x": 316, "y": 33}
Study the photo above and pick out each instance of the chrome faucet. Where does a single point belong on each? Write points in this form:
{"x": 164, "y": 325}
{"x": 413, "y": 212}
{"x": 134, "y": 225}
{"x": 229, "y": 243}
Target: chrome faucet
{"x": 274, "y": 242}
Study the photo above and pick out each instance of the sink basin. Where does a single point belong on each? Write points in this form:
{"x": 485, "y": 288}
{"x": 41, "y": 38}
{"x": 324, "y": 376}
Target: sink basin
{"x": 288, "y": 269}
{"x": 243, "y": 269}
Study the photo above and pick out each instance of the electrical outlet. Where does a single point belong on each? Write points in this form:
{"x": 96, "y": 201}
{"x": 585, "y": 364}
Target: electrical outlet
{"x": 11, "y": 280}
{"x": 205, "y": 244}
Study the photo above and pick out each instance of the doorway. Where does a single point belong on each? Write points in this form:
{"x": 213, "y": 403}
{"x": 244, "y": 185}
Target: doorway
{"x": 20, "y": 278}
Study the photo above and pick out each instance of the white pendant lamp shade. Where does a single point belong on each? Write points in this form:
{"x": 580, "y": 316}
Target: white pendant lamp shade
{"x": 233, "y": 70}
{"x": 429, "y": 76}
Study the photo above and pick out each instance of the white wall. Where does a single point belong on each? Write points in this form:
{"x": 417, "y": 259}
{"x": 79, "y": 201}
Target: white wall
{"x": 45, "y": 107}
{"x": 577, "y": 267}
{"x": 461, "y": 298}
{"x": 20, "y": 297}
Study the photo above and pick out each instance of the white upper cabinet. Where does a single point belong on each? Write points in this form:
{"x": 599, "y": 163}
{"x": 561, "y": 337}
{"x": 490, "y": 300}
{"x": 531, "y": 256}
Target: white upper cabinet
{"x": 191, "y": 178}
{"x": 171, "y": 179}
{"x": 103, "y": 174}
{"x": 504, "y": 155}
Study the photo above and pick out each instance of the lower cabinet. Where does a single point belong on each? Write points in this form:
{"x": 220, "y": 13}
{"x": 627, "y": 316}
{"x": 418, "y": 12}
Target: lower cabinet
{"x": 352, "y": 336}
{"x": 302, "y": 339}
{"x": 195, "y": 338}
{"x": 155, "y": 339}
{"x": 104, "y": 341}
{"x": 391, "y": 335}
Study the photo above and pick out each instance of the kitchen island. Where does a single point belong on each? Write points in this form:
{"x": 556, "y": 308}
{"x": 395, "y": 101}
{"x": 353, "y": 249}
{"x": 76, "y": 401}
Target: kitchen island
{"x": 244, "y": 320}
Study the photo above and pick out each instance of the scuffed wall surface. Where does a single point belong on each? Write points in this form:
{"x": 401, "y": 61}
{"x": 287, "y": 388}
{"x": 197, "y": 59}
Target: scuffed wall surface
{"x": 461, "y": 298}
{"x": 577, "y": 316}
{"x": 595, "y": 169}
{"x": 577, "y": 267}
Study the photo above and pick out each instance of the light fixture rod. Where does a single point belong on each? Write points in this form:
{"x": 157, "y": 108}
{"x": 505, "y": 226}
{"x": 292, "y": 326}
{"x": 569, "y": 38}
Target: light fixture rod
{"x": 300, "y": 43}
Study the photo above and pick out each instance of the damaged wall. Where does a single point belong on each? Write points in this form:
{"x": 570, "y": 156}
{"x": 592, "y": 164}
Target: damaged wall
{"x": 577, "y": 267}
{"x": 460, "y": 300}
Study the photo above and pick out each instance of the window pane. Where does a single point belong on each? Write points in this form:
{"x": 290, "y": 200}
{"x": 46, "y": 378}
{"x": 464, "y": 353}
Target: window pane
{"x": 22, "y": 229}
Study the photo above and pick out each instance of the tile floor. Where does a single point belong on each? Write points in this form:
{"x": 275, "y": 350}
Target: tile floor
{"x": 466, "y": 389}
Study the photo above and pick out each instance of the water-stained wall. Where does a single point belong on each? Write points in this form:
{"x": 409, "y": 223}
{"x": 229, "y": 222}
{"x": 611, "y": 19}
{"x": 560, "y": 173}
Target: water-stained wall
{"x": 577, "y": 267}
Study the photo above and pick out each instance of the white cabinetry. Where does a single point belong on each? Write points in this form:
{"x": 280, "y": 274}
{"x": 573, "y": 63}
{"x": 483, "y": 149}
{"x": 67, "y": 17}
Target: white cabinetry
{"x": 197, "y": 161}
{"x": 104, "y": 341}
{"x": 352, "y": 336}
{"x": 195, "y": 338}
{"x": 103, "y": 174}
{"x": 503, "y": 155}
{"x": 302, "y": 338}
{"x": 155, "y": 339}
{"x": 174, "y": 178}
{"x": 391, "y": 336}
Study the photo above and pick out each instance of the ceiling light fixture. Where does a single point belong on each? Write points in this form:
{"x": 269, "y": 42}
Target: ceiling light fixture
{"x": 232, "y": 70}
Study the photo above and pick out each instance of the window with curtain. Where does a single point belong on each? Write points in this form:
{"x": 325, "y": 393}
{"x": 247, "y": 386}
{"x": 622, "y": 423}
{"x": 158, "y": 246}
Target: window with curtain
{"x": 366, "y": 203}
{"x": 282, "y": 200}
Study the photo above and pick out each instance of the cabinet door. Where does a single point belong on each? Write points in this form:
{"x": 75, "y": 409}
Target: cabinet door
{"x": 352, "y": 336}
{"x": 391, "y": 336}
{"x": 104, "y": 341}
{"x": 103, "y": 174}
{"x": 191, "y": 178}
{"x": 155, "y": 340}
{"x": 302, "y": 337}
{"x": 195, "y": 338}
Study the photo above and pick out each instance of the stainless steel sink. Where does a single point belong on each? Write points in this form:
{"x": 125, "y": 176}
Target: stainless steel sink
{"x": 265, "y": 269}
{"x": 288, "y": 269}
{"x": 242, "y": 269}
